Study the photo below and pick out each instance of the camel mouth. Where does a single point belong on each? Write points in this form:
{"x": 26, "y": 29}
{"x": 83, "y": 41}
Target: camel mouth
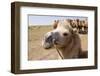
{"x": 47, "y": 47}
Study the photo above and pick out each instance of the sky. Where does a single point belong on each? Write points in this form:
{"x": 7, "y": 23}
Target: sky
{"x": 47, "y": 20}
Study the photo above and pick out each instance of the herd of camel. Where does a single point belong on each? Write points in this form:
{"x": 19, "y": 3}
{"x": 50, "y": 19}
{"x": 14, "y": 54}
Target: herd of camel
{"x": 80, "y": 25}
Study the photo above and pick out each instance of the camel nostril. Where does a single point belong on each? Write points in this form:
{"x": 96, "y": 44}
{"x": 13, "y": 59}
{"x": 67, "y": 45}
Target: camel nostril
{"x": 55, "y": 41}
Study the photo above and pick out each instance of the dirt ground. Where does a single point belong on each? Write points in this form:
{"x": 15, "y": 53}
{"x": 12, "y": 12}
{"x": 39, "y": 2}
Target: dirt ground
{"x": 37, "y": 52}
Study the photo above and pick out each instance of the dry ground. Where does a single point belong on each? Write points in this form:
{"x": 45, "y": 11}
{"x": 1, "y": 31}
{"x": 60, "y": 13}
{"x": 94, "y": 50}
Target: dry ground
{"x": 37, "y": 52}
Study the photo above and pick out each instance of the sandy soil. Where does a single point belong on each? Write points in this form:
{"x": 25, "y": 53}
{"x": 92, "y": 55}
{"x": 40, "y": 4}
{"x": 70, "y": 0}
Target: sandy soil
{"x": 37, "y": 52}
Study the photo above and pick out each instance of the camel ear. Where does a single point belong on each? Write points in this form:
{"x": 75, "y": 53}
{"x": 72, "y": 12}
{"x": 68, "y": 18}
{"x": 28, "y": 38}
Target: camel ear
{"x": 55, "y": 23}
{"x": 74, "y": 30}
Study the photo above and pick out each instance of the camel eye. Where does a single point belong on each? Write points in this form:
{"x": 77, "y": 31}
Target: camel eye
{"x": 65, "y": 34}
